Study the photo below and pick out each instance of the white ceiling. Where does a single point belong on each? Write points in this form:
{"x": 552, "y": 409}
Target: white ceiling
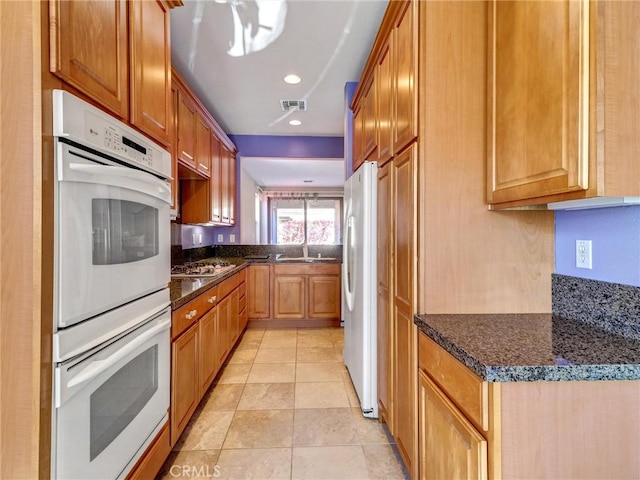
{"x": 326, "y": 42}
{"x": 268, "y": 172}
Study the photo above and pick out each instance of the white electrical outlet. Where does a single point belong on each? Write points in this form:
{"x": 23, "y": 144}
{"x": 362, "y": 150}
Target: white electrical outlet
{"x": 232, "y": 238}
{"x": 193, "y": 238}
{"x": 200, "y": 238}
{"x": 220, "y": 237}
{"x": 584, "y": 258}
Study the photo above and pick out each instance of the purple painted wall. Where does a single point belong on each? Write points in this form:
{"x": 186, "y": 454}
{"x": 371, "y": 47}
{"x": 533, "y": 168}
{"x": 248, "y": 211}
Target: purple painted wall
{"x": 615, "y": 236}
{"x": 262, "y": 146}
{"x": 288, "y": 146}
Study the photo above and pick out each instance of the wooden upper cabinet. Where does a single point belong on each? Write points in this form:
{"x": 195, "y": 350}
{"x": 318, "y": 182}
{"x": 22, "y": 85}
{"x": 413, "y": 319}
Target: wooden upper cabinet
{"x": 173, "y": 127}
{"x": 187, "y": 118}
{"x": 405, "y": 67}
{"x": 231, "y": 192}
{"x": 150, "y": 54}
{"x": 358, "y": 137}
{"x": 369, "y": 130}
{"x": 384, "y": 104}
{"x": 216, "y": 182}
{"x": 203, "y": 146}
{"x": 559, "y": 127}
{"x": 225, "y": 177}
{"x": 538, "y": 99}
{"x": 89, "y": 50}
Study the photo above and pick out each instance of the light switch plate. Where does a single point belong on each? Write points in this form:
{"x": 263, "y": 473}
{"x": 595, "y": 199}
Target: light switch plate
{"x": 220, "y": 237}
{"x": 232, "y": 238}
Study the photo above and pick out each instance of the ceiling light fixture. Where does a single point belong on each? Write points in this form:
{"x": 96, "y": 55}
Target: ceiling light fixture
{"x": 295, "y": 122}
{"x": 307, "y": 181}
{"x": 292, "y": 79}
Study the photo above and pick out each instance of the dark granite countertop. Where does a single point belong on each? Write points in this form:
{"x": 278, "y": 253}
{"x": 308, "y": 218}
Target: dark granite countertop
{"x": 183, "y": 290}
{"x": 533, "y": 347}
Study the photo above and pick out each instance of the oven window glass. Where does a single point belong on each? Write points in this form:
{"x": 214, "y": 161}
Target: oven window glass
{"x": 123, "y": 231}
{"x": 121, "y": 398}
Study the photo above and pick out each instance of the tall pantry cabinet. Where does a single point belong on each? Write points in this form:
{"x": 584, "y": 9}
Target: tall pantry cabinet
{"x": 387, "y": 95}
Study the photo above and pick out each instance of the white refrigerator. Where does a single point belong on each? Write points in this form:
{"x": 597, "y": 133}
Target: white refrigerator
{"x": 359, "y": 285}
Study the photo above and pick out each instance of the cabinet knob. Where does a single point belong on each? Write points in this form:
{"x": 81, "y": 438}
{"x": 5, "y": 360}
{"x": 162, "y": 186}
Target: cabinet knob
{"x": 212, "y": 299}
{"x": 191, "y": 314}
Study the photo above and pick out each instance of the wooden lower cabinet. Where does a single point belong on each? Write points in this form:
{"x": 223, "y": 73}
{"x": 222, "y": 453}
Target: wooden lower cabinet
{"x": 222, "y": 333}
{"x": 469, "y": 428}
{"x": 404, "y": 387}
{"x": 324, "y": 297}
{"x": 307, "y": 293}
{"x": 450, "y": 446}
{"x": 208, "y": 349}
{"x": 234, "y": 317}
{"x": 259, "y": 291}
{"x": 185, "y": 391}
{"x": 289, "y": 297}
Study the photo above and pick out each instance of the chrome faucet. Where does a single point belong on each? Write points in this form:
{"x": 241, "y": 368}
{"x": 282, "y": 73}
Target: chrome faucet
{"x": 305, "y": 250}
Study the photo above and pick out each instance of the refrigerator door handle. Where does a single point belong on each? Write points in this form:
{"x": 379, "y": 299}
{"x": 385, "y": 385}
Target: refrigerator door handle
{"x": 348, "y": 264}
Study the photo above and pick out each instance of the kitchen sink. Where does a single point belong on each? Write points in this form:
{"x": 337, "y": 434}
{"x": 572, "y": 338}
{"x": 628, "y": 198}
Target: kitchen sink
{"x": 281, "y": 258}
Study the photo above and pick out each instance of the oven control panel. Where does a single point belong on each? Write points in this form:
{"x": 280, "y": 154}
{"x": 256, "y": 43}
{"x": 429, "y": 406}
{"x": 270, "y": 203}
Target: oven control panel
{"x": 87, "y": 125}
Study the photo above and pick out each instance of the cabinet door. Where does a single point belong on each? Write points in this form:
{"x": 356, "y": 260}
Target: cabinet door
{"x": 289, "y": 297}
{"x": 232, "y": 188}
{"x": 384, "y": 104}
{"x": 450, "y": 446}
{"x": 224, "y": 183}
{"x": 258, "y": 291}
{"x": 89, "y": 50}
{"x": 538, "y": 99}
{"x": 358, "y": 137}
{"x": 324, "y": 297}
{"x": 208, "y": 349}
{"x": 234, "y": 317}
{"x": 184, "y": 381}
{"x": 404, "y": 240}
{"x": 405, "y": 57}
{"x": 222, "y": 335}
{"x": 187, "y": 116}
{"x": 369, "y": 132}
{"x": 216, "y": 182}
{"x": 174, "y": 149}
{"x": 384, "y": 325}
{"x": 203, "y": 146}
{"x": 150, "y": 60}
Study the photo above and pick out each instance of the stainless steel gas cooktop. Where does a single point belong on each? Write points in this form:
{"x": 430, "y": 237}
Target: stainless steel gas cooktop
{"x": 200, "y": 269}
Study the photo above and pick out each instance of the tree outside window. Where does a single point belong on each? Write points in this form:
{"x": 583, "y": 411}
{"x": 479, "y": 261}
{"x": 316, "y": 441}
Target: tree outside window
{"x": 315, "y": 221}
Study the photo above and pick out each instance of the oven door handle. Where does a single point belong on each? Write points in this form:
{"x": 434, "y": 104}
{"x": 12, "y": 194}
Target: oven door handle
{"x": 155, "y": 186}
{"x": 96, "y": 367}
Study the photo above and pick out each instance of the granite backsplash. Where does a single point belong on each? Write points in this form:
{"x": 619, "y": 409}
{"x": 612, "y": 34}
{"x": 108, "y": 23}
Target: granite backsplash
{"x": 180, "y": 256}
{"x": 610, "y": 306}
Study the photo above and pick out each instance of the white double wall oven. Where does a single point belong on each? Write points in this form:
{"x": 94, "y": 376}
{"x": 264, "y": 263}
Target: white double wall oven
{"x": 111, "y": 299}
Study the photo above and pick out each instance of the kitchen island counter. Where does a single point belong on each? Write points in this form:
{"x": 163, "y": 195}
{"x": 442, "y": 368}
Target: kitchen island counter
{"x": 533, "y": 347}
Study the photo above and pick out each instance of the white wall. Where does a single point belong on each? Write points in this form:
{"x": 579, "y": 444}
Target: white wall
{"x": 247, "y": 208}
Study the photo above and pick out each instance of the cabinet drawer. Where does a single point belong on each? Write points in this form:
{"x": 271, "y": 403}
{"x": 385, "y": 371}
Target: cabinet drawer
{"x": 228, "y": 286}
{"x": 307, "y": 269}
{"x": 190, "y": 313}
{"x": 468, "y": 391}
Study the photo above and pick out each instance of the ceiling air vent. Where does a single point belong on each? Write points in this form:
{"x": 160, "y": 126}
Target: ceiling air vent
{"x": 293, "y": 105}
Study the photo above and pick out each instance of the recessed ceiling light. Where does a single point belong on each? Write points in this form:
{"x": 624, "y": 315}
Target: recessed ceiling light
{"x": 295, "y": 122}
{"x": 292, "y": 79}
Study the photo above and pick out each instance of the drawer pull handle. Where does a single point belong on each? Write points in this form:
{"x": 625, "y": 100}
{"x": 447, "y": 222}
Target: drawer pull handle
{"x": 211, "y": 299}
{"x": 191, "y": 314}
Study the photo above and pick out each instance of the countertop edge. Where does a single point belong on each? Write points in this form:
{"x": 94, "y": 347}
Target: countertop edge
{"x": 175, "y": 304}
{"x": 529, "y": 373}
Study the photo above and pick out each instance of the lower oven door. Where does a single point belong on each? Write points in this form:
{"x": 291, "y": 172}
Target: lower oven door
{"x": 112, "y": 234}
{"x": 110, "y": 402}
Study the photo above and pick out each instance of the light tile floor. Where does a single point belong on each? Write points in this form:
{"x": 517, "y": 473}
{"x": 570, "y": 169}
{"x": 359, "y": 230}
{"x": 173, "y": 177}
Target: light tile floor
{"x": 283, "y": 407}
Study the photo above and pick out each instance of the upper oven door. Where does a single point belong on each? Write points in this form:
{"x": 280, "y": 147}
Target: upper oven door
{"x": 112, "y": 232}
